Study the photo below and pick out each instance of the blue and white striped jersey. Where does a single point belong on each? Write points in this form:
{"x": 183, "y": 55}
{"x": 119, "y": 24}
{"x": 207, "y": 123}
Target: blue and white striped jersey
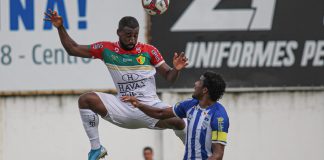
{"x": 205, "y": 126}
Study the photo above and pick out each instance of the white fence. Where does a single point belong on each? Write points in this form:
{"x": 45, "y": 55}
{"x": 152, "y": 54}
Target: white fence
{"x": 263, "y": 125}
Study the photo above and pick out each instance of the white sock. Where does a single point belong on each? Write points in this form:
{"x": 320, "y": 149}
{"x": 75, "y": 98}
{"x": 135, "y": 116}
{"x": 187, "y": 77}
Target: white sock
{"x": 90, "y": 123}
{"x": 182, "y": 133}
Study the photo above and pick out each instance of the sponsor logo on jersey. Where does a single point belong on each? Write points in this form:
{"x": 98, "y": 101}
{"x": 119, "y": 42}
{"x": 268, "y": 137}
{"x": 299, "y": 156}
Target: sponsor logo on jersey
{"x": 140, "y": 59}
{"x": 130, "y": 88}
{"x": 220, "y": 121}
{"x": 127, "y": 60}
{"x": 156, "y": 55}
{"x": 97, "y": 46}
{"x": 130, "y": 77}
{"x": 206, "y": 120}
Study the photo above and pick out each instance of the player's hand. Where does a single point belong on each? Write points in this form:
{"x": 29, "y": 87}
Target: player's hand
{"x": 53, "y": 17}
{"x": 130, "y": 99}
{"x": 180, "y": 61}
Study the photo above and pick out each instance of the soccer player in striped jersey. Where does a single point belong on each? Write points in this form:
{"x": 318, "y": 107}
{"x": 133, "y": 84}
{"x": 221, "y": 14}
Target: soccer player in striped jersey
{"x": 132, "y": 66}
{"x": 208, "y": 122}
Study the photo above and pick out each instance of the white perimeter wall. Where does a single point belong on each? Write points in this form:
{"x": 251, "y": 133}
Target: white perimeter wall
{"x": 263, "y": 126}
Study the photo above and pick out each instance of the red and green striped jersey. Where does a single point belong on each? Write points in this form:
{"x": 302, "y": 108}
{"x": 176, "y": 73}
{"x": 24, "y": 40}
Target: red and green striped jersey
{"x": 132, "y": 71}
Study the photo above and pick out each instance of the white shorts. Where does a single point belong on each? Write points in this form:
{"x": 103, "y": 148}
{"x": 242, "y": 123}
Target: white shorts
{"x": 126, "y": 115}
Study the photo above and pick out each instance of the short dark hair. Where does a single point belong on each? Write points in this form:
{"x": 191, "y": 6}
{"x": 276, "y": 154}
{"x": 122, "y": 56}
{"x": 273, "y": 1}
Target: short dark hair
{"x": 215, "y": 85}
{"x": 148, "y": 148}
{"x": 128, "y": 21}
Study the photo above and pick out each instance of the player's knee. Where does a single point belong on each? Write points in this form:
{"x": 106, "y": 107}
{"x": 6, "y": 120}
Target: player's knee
{"x": 87, "y": 100}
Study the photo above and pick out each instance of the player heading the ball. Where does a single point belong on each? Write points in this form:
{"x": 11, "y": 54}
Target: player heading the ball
{"x": 132, "y": 65}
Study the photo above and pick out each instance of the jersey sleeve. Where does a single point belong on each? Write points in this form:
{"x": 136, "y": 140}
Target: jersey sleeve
{"x": 96, "y": 49}
{"x": 180, "y": 109}
{"x": 156, "y": 57}
{"x": 220, "y": 125}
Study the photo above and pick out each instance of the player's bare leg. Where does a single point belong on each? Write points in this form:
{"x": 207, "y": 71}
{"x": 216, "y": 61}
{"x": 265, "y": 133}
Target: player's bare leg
{"x": 90, "y": 105}
{"x": 177, "y": 124}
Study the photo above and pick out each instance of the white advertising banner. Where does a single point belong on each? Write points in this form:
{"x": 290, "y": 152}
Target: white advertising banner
{"x": 31, "y": 55}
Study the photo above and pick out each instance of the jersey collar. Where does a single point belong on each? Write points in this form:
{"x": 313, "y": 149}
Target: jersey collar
{"x": 137, "y": 49}
{"x": 208, "y": 108}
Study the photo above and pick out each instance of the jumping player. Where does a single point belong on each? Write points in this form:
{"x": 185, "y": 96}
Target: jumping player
{"x": 132, "y": 66}
{"x": 207, "y": 119}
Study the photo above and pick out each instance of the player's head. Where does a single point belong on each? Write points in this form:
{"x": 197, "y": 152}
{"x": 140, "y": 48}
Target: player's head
{"x": 127, "y": 32}
{"x": 210, "y": 84}
{"x": 148, "y": 153}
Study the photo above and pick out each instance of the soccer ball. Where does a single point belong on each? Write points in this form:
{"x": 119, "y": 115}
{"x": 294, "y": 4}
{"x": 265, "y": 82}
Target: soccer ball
{"x": 155, "y": 7}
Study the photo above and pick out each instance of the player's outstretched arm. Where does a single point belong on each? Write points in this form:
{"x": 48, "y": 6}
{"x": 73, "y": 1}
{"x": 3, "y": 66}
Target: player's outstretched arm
{"x": 218, "y": 151}
{"x": 180, "y": 61}
{"x": 148, "y": 110}
{"x": 71, "y": 47}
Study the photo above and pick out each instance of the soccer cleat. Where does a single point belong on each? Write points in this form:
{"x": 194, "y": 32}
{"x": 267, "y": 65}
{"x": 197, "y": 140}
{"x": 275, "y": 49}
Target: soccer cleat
{"x": 97, "y": 154}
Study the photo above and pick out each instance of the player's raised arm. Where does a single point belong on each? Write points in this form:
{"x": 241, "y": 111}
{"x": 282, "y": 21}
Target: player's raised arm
{"x": 71, "y": 47}
{"x": 218, "y": 151}
{"x": 150, "y": 111}
{"x": 180, "y": 61}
